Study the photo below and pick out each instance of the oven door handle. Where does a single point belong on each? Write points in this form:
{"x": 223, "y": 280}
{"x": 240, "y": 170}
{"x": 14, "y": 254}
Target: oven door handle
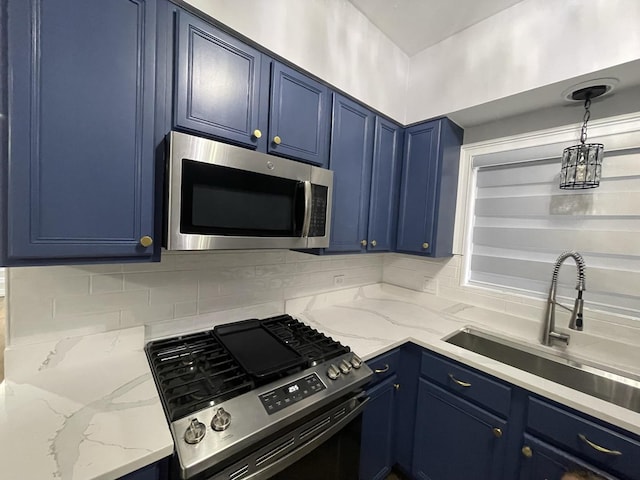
{"x": 307, "y": 447}
{"x": 306, "y": 224}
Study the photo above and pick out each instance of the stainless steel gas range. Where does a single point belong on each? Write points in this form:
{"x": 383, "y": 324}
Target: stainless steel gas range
{"x": 259, "y": 399}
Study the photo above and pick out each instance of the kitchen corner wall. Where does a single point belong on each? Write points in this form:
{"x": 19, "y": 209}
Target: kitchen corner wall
{"x": 186, "y": 290}
{"x": 444, "y": 277}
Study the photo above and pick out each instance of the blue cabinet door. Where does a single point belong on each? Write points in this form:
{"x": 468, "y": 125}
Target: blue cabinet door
{"x": 218, "y": 84}
{"x": 377, "y": 446}
{"x": 299, "y": 116}
{"x": 383, "y": 203}
{"x": 455, "y": 439}
{"x": 155, "y": 471}
{"x": 81, "y": 123}
{"x": 428, "y": 190}
{"x": 540, "y": 460}
{"x": 351, "y": 156}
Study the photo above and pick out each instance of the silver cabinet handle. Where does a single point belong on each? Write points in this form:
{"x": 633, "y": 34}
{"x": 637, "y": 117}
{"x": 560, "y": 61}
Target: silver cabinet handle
{"x": 382, "y": 370}
{"x": 598, "y": 447}
{"x": 459, "y": 382}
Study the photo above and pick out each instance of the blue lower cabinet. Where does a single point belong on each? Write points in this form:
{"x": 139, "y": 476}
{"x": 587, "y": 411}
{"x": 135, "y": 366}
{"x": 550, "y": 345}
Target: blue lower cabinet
{"x": 377, "y": 450}
{"x": 539, "y": 460}
{"x": 155, "y": 471}
{"x": 455, "y": 439}
{"x": 81, "y": 131}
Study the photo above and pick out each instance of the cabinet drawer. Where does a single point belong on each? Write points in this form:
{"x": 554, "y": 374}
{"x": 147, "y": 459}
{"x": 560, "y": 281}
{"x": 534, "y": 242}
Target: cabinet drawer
{"x": 601, "y": 446}
{"x": 384, "y": 365}
{"x": 489, "y": 393}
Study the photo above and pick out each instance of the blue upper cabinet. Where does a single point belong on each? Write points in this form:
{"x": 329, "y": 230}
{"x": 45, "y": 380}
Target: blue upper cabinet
{"x": 81, "y": 130}
{"x": 365, "y": 159}
{"x": 383, "y": 205}
{"x": 218, "y": 84}
{"x": 299, "y": 116}
{"x": 351, "y": 157}
{"x": 429, "y": 188}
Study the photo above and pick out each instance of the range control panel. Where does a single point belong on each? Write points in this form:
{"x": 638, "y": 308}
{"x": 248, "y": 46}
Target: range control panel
{"x": 293, "y": 392}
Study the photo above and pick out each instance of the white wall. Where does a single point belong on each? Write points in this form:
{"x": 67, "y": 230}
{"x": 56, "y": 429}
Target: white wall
{"x": 620, "y": 102}
{"x": 186, "y": 291}
{"x": 445, "y": 274}
{"x": 2, "y": 286}
{"x": 329, "y": 38}
{"x": 532, "y": 44}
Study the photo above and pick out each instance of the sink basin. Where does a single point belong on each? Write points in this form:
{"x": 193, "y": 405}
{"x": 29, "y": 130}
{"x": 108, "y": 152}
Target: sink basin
{"x": 590, "y": 378}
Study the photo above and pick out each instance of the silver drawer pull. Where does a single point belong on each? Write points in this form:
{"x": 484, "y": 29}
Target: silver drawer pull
{"x": 459, "y": 382}
{"x": 382, "y": 370}
{"x": 598, "y": 447}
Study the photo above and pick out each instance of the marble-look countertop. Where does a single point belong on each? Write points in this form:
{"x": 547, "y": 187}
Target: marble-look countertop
{"x": 87, "y": 407}
{"x": 80, "y": 408}
{"x": 376, "y": 318}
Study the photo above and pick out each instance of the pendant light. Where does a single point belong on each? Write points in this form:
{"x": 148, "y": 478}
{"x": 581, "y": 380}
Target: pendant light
{"x": 582, "y": 164}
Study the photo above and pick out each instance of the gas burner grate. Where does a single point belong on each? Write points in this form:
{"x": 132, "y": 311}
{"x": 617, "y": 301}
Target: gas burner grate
{"x": 193, "y": 372}
{"x": 308, "y": 342}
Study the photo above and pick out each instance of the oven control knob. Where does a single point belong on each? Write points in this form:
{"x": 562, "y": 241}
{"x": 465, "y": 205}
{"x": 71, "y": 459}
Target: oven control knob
{"x": 195, "y": 431}
{"x": 345, "y": 367}
{"x": 221, "y": 420}
{"x": 356, "y": 362}
{"x": 333, "y": 372}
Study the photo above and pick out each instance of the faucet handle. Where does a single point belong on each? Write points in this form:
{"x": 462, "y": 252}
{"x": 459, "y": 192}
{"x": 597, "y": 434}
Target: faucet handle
{"x": 559, "y": 337}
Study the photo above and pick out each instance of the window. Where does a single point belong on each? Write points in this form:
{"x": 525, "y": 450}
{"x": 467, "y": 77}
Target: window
{"x": 520, "y": 221}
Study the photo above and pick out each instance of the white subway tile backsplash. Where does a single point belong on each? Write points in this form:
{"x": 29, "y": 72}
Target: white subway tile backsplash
{"x": 107, "y": 283}
{"x": 194, "y": 290}
{"x": 185, "y": 309}
{"x": 145, "y": 314}
{"x": 35, "y": 329}
{"x": 63, "y": 271}
{"x": 148, "y": 280}
{"x": 277, "y": 269}
{"x": 48, "y": 286}
{"x": 76, "y": 304}
{"x": 173, "y": 294}
{"x": 227, "y": 302}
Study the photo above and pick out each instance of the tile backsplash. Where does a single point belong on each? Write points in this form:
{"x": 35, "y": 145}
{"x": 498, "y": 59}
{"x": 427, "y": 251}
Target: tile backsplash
{"x": 193, "y": 287}
{"x": 443, "y": 277}
{"x": 192, "y": 290}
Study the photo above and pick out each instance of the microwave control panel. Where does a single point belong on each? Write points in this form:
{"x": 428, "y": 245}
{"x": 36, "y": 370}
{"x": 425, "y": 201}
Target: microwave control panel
{"x": 318, "y": 211}
{"x": 281, "y": 397}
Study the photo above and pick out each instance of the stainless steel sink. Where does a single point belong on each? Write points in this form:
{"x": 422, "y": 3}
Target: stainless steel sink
{"x": 602, "y": 382}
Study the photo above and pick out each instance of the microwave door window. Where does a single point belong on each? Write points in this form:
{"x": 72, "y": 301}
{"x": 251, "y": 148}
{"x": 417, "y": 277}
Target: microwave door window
{"x": 220, "y": 200}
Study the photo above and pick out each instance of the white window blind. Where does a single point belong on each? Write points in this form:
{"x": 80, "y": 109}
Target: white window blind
{"x": 522, "y": 221}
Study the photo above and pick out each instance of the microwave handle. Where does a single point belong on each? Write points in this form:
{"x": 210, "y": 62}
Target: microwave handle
{"x": 306, "y": 224}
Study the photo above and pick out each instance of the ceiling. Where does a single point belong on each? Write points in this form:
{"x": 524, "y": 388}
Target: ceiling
{"x": 414, "y": 25}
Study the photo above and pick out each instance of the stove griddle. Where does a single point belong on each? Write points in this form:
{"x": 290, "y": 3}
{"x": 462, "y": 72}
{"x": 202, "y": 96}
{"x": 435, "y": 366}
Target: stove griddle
{"x": 255, "y": 348}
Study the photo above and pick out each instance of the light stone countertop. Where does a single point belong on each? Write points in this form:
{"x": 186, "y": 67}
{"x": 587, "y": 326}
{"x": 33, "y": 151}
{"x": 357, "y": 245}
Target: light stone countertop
{"x": 376, "y": 318}
{"x": 87, "y": 407}
{"x": 80, "y": 408}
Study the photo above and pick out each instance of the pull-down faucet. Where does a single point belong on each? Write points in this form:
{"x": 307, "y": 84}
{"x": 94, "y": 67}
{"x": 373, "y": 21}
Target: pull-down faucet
{"x": 575, "y": 323}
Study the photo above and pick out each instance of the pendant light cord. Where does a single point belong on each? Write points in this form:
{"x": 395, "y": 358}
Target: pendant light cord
{"x": 585, "y": 119}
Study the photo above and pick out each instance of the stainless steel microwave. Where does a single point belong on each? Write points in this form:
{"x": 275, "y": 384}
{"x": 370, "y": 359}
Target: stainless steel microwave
{"x": 219, "y": 196}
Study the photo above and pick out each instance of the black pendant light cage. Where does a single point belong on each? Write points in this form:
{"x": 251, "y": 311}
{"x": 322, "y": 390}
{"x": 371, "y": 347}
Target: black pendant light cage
{"x": 582, "y": 164}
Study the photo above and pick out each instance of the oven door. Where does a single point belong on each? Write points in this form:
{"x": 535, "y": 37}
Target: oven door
{"x": 325, "y": 446}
